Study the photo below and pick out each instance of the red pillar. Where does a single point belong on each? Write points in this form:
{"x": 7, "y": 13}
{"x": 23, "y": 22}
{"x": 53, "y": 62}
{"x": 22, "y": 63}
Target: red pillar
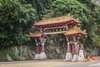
{"x": 40, "y": 50}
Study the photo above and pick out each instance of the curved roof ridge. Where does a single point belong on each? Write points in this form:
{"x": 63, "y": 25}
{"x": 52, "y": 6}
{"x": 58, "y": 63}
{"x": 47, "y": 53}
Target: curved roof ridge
{"x": 61, "y": 19}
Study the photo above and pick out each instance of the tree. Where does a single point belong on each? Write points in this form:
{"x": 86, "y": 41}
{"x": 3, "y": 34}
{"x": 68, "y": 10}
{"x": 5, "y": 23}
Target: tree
{"x": 42, "y": 7}
{"x": 15, "y": 17}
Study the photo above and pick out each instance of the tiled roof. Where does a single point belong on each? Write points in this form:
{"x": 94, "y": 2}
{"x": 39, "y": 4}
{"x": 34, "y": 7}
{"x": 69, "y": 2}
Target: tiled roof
{"x": 75, "y": 30}
{"x": 36, "y": 34}
{"x": 55, "y": 20}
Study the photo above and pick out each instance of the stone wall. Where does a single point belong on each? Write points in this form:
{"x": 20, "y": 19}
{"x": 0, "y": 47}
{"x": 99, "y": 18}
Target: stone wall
{"x": 55, "y": 48}
{"x": 17, "y": 53}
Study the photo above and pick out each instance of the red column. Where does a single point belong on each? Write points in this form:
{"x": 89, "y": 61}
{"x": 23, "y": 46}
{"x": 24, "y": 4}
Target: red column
{"x": 68, "y": 56}
{"x": 38, "y": 49}
{"x": 42, "y": 49}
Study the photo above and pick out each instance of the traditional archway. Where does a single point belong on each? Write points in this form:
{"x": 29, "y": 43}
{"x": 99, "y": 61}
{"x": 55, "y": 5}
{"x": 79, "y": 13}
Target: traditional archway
{"x": 59, "y": 25}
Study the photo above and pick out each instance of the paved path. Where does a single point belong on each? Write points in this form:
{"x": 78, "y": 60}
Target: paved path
{"x": 49, "y": 63}
{"x": 83, "y": 64}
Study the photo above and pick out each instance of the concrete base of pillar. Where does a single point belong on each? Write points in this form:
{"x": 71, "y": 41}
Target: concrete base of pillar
{"x": 81, "y": 56}
{"x": 68, "y": 56}
{"x": 75, "y": 57}
{"x": 42, "y": 55}
{"x": 37, "y": 56}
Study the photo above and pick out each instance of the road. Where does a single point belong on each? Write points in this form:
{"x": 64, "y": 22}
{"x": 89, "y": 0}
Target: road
{"x": 50, "y": 63}
{"x": 83, "y": 64}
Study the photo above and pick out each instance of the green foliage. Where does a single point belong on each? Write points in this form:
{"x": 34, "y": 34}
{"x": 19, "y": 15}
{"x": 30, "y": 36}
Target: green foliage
{"x": 15, "y": 17}
{"x": 41, "y": 6}
{"x": 22, "y": 38}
